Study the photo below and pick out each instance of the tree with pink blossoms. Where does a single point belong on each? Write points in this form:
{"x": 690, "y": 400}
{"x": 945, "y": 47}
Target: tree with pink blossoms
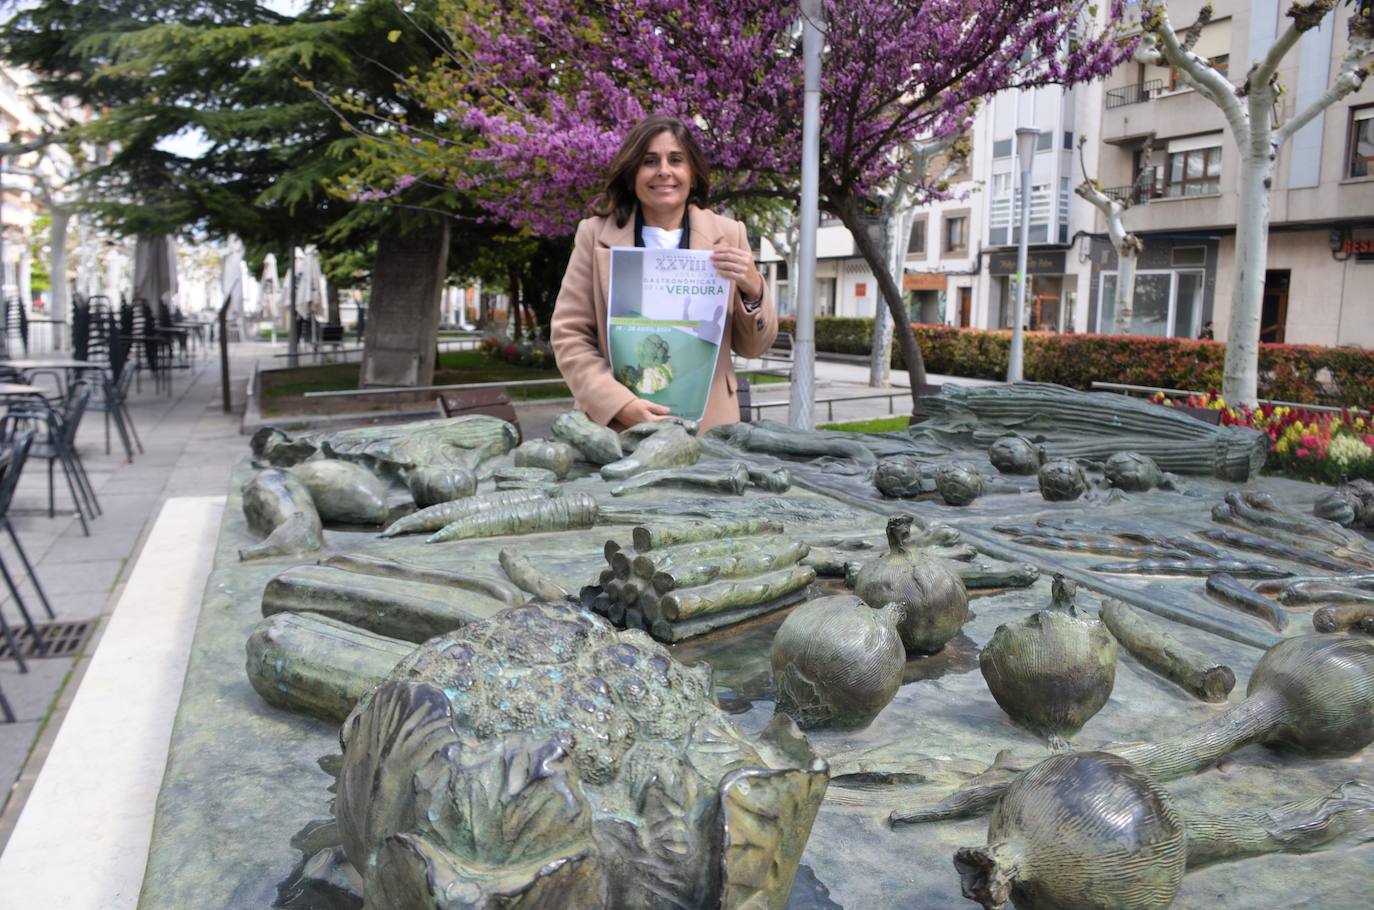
{"x": 539, "y": 93}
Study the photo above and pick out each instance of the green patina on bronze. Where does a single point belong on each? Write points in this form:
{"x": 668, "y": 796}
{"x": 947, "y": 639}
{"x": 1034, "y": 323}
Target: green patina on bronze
{"x": 242, "y": 776}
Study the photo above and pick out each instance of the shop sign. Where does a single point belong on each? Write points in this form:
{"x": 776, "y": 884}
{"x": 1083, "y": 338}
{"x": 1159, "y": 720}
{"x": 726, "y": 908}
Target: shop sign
{"x": 923, "y": 281}
{"x": 1049, "y": 262}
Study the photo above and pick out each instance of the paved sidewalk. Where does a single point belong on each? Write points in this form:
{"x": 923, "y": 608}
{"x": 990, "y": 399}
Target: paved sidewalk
{"x": 190, "y": 446}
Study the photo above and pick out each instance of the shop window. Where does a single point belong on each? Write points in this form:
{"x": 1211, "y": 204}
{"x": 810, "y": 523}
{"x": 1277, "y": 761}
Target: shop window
{"x": 955, "y": 234}
{"x": 1361, "y": 159}
{"x": 1166, "y": 304}
{"x": 917, "y": 243}
{"x": 1196, "y": 172}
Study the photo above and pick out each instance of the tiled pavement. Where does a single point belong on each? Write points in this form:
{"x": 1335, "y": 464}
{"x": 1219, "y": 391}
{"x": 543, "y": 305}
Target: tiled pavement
{"x": 190, "y": 446}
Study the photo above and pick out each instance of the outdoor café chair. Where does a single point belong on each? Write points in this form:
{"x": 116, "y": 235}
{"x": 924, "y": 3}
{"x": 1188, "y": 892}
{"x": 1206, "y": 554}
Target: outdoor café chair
{"x": 57, "y": 444}
{"x": 12, "y": 457}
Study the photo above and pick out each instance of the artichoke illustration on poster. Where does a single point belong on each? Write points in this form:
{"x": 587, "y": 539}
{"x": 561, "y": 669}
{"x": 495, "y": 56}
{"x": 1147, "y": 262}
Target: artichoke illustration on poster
{"x": 665, "y": 324}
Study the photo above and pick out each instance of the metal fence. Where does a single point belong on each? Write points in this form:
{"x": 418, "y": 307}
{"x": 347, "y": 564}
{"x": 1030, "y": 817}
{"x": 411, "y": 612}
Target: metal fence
{"x": 1134, "y": 94}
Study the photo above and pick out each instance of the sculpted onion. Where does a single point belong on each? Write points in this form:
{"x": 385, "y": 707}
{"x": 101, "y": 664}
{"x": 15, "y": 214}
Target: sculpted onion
{"x": 1090, "y": 831}
{"x": 837, "y": 662}
{"x": 1054, "y": 670}
{"x": 928, "y": 588}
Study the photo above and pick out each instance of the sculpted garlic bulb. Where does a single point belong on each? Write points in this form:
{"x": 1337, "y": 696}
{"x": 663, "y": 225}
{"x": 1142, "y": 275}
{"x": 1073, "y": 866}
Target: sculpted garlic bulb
{"x": 926, "y": 586}
{"x": 837, "y": 662}
{"x": 1054, "y": 670}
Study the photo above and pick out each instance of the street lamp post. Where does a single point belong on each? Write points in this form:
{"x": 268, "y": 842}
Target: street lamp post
{"x": 801, "y": 399}
{"x": 1026, "y": 138}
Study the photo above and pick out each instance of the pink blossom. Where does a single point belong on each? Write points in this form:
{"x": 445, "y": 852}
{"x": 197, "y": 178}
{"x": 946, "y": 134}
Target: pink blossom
{"x": 1301, "y": 452}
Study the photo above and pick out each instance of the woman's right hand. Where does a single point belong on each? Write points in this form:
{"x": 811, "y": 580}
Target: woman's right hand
{"x": 640, "y": 411}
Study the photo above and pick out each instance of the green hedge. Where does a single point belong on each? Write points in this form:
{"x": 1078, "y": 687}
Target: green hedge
{"x": 1288, "y": 372}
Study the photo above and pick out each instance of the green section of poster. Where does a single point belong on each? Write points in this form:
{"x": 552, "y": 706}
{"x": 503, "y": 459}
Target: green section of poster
{"x": 666, "y": 318}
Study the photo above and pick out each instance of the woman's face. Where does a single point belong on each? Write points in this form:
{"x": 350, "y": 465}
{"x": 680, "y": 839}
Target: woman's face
{"x": 664, "y": 178}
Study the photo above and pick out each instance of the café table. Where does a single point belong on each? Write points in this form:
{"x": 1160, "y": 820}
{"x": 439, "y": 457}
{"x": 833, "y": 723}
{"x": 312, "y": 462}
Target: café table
{"x": 114, "y": 398}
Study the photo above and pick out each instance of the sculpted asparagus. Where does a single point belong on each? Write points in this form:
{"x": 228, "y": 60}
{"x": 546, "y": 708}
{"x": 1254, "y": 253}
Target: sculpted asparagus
{"x": 1228, "y": 589}
{"x": 762, "y": 560}
{"x": 724, "y": 595}
{"x": 571, "y": 512}
{"x": 393, "y": 568}
{"x": 654, "y": 537}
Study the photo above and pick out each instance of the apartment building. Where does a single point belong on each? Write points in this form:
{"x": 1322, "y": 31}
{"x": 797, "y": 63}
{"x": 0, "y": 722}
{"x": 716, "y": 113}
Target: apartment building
{"x": 1167, "y": 148}
{"x": 1151, "y": 139}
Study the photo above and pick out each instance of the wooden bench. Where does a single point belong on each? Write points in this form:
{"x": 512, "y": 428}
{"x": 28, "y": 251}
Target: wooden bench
{"x": 494, "y": 402}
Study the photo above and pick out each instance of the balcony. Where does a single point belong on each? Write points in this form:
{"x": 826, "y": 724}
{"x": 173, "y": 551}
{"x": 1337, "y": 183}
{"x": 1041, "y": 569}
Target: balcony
{"x": 1134, "y": 94}
{"x": 1133, "y": 193}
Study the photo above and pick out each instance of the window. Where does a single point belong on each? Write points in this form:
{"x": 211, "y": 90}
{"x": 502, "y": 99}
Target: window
{"x": 1188, "y": 255}
{"x": 956, "y": 234}
{"x": 1044, "y": 141}
{"x": 1001, "y": 184}
{"x": 1001, "y": 148}
{"x": 1195, "y": 172}
{"x": 917, "y": 243}
{"x": 1166, "y": 304}
{"x": 1361, "y": 143}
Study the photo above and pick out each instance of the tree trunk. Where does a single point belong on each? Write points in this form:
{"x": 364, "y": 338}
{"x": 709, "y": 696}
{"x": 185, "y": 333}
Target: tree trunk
{"x": 513, "y": 279}
{"x": 1125, "y": 289}
{"x": 893, "y": 239}
{"x": 906, "y": 338}
{"x": 403, "y": 321}
{"x": 57, "y": 239}
{"x": 331, "y": 303}
{"x": 1240, "y": 375}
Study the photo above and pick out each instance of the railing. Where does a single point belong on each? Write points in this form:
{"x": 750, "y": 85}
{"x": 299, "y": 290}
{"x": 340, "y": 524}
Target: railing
{"x": 410, "y": 390}
{"x": 830, "y": 402}
{"x": 1184, "y": 393}
{"x": 335, "y": 352}
{"x": 1134, "y": 94}
{"x": 1134, "y": 193}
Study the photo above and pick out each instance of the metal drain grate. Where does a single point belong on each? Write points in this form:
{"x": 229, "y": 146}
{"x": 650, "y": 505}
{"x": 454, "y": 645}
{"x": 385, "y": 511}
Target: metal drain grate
{"x": 63, "y": 639}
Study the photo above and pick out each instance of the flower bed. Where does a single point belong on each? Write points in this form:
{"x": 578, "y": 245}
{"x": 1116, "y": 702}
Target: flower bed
{"x": 1321, "y": 446}
{"x": 523, "y": 353}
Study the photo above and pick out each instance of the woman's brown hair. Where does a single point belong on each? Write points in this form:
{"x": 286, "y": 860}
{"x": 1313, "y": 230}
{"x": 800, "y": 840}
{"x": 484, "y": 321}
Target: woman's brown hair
{"x": 618, "y": 198}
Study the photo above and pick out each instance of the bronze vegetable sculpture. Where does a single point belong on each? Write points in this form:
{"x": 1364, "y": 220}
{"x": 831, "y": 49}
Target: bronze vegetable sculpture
{"x": 671, "y": 447}
{"x": 577, "y": 510}
{"x": 277, "y": 504}
{"x": 902, "y": 476}
{"x": 343, "y": 492}
{"x": 1312, "y": 694}
{"x": 719, "y": 477}
{"x": 1054, "y": 670}
{"x": 1149, "y": 642}
{"x": 430, "y": 486}
{"x": 544, "y": 761}
{"x": 445, "y": 513}
{"x": 595, "y": 443}
{"x": 1134, "y": 472}
{"x": 557, "y": 457}
{"x": 929, "y": 589}
{"x": 1061, "y": 481}
{"x": 1016, "y": 455}
{"x": 837, "y": 662}
{"x": 1094, "y": 425}
{"x": 959, "y": 484}
{"x": 1090, "y": 831}
{"x": 1226, "y": 588}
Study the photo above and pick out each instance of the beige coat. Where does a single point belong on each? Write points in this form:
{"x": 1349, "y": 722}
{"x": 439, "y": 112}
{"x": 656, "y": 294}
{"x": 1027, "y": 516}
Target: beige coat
{"x": 579, "y": 318}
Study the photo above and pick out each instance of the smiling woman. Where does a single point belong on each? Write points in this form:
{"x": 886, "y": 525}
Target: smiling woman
{"x": 657, "y": 183}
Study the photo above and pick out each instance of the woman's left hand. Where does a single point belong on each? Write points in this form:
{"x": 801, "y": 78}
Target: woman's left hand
{"x": 738, "y": 266}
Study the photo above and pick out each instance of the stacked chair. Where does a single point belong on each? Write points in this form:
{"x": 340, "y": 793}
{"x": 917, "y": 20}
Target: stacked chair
{"x": 13, "y": 454}
{"x": 54, "y": 429}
